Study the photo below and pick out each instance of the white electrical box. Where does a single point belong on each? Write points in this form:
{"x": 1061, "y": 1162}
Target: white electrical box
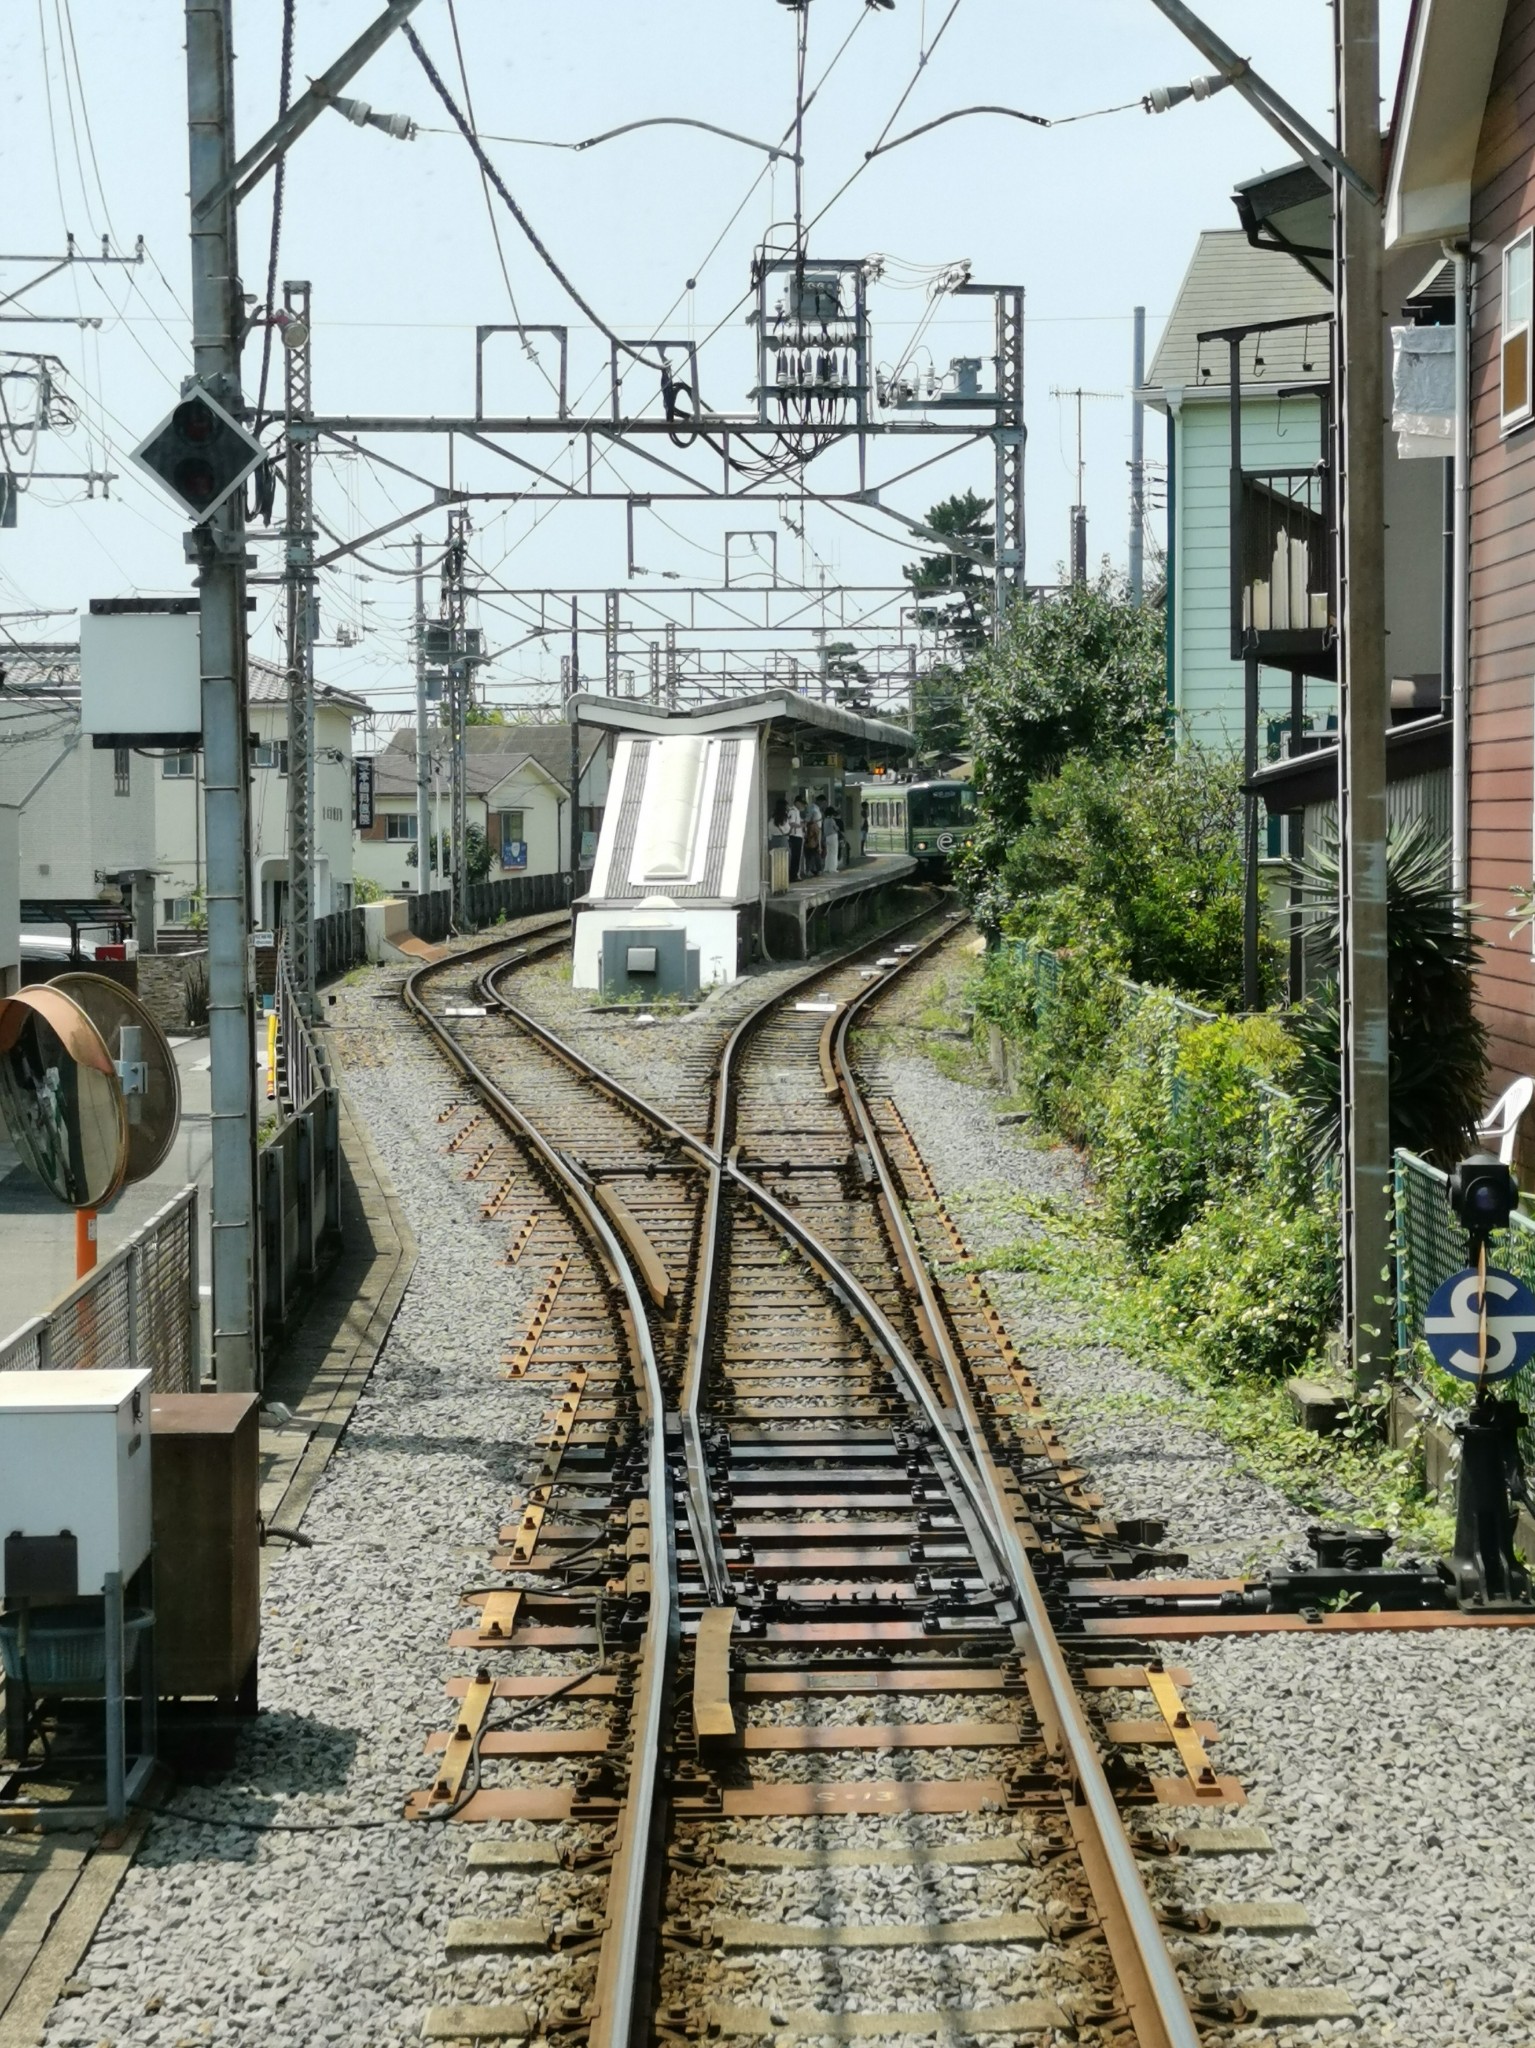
{"x": 140, "y": 671}
{"x": 74, "y": 1460}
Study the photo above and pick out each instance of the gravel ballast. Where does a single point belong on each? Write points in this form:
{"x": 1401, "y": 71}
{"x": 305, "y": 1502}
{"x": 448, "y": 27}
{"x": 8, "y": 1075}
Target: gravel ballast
{"x": 231, "y": 1934}
{"x": 1393, "y": 1772}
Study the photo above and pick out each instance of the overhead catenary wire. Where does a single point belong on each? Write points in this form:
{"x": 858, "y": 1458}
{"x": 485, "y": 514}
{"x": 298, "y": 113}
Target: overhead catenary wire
{"x": 494, "y": 176}
{"x": 279, "y": 183}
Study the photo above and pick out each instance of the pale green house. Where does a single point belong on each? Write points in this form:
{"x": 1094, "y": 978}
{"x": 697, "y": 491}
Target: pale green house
{"x": 1283, "y": 386}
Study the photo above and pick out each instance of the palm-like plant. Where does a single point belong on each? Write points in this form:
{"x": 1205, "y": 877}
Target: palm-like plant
{"x": 1437, "y": 1043}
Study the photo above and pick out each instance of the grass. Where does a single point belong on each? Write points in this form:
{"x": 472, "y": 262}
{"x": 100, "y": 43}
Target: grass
{"x": 1068, "y": 1261}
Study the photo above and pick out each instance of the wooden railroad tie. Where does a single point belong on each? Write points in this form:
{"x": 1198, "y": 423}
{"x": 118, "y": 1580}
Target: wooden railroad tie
{"x": 518, "y": 1243}
{"x": 518, "y": 1361}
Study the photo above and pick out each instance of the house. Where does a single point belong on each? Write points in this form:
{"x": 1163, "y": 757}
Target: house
{"x": 178, "y": 801}
{"x": 1282, "y": 388}
{"x": 85, "y": 815}
{"x": 518, "y": 794}
{"x": 1268, "y": 288}
{"x": 1461, "y": 178}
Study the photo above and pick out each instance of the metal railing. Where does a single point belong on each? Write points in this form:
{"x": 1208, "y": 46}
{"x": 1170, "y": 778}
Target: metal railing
{"x": 299, "y": 1164}
{"x": 138, "y": 1308}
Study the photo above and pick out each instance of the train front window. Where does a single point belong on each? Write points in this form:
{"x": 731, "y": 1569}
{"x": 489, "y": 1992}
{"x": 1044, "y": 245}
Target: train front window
{"x": 942, "y": 808}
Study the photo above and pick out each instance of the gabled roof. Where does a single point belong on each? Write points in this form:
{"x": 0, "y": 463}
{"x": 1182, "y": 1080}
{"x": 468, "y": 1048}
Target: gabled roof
{"x": 268, "y": 684}
{"x": 1447, "y": 64}
{"x": 1231, "y": 284}
{"x": 491, "y": 753}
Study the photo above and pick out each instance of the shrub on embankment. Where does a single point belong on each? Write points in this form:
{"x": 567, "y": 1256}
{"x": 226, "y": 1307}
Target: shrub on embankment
{"x": 1199, "y": 1155}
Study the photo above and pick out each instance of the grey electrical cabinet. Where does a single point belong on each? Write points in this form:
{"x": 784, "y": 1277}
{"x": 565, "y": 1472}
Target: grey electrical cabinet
{"x": 657, "y": 961}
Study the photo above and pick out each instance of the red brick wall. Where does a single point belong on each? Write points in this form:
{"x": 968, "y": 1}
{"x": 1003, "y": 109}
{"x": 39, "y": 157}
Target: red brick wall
{"x": 1502, "y": 702}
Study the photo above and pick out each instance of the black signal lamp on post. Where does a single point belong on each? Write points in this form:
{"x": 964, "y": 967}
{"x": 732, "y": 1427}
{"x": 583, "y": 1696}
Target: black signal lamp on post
{"x": 1484, "y": 1568}
{"x": 200, "y": 454}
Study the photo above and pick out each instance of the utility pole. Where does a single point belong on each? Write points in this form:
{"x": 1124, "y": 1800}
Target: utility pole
{"x": 1079, "y": 509}
{"x": 303, "y": 630}
{"x": 424, "y": 862}
{"x": 1362, "y": 756}
{"x": 575, "y": 750}
{"x": 671, "y": 665}
{"x": 610, "y": 642}
{"x": 218, "y": 549}
{"x": 1137, "y": 552}
{"x": 458, "y": 688}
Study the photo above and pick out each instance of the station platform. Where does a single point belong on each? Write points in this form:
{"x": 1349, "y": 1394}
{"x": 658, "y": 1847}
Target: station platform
{"x": 814, "y": 913}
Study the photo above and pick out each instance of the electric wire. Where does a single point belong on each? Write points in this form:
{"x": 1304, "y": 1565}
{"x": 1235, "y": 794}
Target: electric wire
{"x": 279, "y": 183}
{"x": 528, "y": 348}
{"x": 489, "y": 171}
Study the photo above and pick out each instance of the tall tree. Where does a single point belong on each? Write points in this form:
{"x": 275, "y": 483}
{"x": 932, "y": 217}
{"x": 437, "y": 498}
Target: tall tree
{"x": 954, "y": 592}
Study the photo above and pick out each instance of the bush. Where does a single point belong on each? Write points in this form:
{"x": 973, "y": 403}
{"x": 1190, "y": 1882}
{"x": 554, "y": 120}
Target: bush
{"x": 1200, "y": 1156}
{"x": 1143, "y": 855}
{"x": 1079, "y": 672}
{"x": 1186, "y": 1119}
{"x": 1438, "y": 1044}
{"x": 1250, "y": 1287}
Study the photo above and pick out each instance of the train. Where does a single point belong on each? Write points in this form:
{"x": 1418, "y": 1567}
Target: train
{"x": 929, "y": 820}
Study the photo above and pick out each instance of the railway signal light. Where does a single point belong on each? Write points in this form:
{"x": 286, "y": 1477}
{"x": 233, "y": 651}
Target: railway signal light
{"x": 200, "y": 454}
{"x": 1483, "y": 1194}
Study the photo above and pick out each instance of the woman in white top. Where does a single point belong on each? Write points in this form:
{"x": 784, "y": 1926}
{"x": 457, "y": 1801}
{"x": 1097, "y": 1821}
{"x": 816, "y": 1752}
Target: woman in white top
{"x": 831, "y": 839}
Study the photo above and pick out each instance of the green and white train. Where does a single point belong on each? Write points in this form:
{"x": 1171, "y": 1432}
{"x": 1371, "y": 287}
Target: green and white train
{"x": 929, "y": 820}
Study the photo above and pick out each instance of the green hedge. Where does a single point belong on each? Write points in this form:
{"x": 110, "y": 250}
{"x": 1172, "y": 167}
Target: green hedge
{"x": 1199, "y": 1155}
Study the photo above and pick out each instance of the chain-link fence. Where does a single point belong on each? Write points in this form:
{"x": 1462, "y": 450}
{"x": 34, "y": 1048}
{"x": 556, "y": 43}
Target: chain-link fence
{"x": 138, "y": 1309}
{"x": 1431, "y": 1246}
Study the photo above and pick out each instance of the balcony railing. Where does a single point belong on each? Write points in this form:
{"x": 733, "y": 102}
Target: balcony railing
{"x": 1283, "y": 597}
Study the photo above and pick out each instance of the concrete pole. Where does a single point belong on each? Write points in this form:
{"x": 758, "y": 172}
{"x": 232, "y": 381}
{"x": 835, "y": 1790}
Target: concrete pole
{"x": 218, "y": 547}
{"x": 575, "y": 750}
{"x": 302, "y": 625}
{"x": 423, "y": 747}
{"x": 1367, "y": 1325}
{"x": 1137, "y": 552}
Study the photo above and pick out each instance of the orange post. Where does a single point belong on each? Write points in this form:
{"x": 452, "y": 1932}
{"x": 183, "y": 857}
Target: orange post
{"x": 85, "y": 1242}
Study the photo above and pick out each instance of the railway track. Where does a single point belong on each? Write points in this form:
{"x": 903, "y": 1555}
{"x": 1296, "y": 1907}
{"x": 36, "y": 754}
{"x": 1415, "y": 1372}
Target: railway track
{"x": 783, "y": 1626}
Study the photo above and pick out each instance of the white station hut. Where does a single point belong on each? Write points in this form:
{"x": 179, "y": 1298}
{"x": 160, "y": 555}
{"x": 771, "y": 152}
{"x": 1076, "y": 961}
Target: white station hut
{"x": 685, "y": 892}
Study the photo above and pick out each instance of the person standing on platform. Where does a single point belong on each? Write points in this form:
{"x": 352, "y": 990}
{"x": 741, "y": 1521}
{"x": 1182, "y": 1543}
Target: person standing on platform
{"x": 812, "y": 834}
{"x": 794, "y": 825}
{"x": 831, "y": 839}
{"x": 863, "y": 831}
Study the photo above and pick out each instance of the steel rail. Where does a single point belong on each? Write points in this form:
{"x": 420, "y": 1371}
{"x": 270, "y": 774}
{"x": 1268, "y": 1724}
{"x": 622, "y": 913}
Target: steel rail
{"x": 712, "y": 1157}
{"x": 1155, "y": 1995}
{"x": 620, "y": 1960}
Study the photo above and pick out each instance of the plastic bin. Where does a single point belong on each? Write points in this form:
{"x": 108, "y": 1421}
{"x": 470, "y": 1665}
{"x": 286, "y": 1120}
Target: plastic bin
{"x": 63, "y": 1647}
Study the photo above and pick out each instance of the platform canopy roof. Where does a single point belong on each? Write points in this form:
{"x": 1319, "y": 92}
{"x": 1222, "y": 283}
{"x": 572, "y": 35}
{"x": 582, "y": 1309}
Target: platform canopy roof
{"x": 802, "y": 718}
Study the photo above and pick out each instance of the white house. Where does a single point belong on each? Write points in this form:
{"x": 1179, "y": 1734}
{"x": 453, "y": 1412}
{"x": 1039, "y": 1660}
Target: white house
{"x": 518, "y": 794}
{"x": 85, "y": 814}
{"x": 179, "y": 806}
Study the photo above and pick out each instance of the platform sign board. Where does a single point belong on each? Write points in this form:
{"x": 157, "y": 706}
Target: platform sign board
{"x": 1450, "y": 1326}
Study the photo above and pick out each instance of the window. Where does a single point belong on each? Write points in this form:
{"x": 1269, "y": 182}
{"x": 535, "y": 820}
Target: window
{"x": 512, "y": 838}
{"x": 400, "y": 825}
{"x": 179, "y": 767}
{"x": 120, "y": 760}
{"x": 1518, "y": 278}
{"x": 177, "y": 909}
{"x": 272, "y": 754}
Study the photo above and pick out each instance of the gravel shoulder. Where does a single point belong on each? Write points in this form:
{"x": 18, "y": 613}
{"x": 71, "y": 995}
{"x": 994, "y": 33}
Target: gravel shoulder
{"x": 233, "y": 1931}
{"x": 1395, "y": 1774}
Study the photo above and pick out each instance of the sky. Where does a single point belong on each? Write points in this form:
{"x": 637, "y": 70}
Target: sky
{"x": 1092, "y": 218}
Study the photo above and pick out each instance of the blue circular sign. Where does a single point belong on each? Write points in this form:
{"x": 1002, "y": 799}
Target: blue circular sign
{"x": 1450, "y": 1327}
